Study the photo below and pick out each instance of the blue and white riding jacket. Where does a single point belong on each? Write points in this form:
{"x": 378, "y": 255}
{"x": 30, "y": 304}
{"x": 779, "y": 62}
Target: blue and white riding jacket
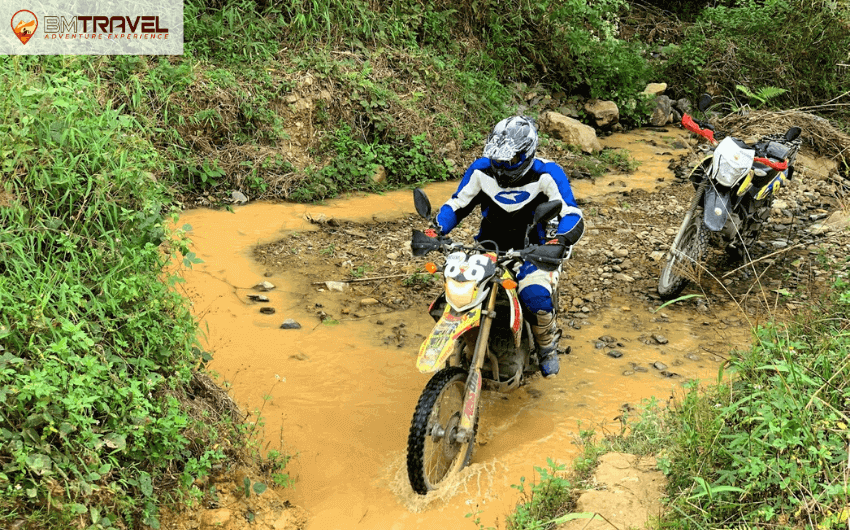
{"x": 507, "y": 212}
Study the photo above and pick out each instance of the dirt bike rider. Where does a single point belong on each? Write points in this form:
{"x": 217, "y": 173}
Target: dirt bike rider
{"x": 508, "y": 183}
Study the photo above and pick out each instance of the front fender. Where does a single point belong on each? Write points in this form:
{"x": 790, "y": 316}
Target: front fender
{"x": 716, "y": 208}
{"x": 440, "y": 344}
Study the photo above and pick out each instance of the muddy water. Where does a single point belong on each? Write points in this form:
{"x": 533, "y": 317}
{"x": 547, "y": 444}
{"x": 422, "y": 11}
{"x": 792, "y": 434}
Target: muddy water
{"x": 341, "y": 398}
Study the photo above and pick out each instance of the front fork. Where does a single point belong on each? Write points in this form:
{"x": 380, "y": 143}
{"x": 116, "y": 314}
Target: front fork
{"x": 474, "y": 381}
{"x": 689, "y": 214}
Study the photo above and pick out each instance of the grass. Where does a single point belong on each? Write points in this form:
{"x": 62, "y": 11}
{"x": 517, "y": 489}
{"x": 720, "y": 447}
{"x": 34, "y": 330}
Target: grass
{"x": 765, "y": 447}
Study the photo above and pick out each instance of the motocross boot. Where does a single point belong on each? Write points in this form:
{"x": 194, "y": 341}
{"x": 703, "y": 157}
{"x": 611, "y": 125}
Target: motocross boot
{"x": 546, "y": 334}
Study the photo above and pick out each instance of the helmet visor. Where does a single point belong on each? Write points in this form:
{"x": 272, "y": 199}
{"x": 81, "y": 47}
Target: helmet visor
{"x": 513, "y": 163}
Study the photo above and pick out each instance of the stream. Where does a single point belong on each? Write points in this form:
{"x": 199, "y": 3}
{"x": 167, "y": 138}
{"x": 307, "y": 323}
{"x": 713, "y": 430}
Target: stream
{"x": 340, "y": 398}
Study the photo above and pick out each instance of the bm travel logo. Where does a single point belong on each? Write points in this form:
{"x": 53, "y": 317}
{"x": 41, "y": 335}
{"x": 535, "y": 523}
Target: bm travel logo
{"x": 24, "y": 24}
{"x": 97, "y": 27}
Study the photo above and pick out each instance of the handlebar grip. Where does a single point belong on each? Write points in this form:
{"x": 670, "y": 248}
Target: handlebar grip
{"x": 778, "y": 166}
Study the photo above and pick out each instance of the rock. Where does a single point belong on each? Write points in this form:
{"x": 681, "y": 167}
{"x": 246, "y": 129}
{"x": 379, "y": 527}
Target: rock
{"x": 621, "y": 252}
{"x": 657, "y": 255}
{"x": 607, "y": 338}
{"x": 623, "y": 277}
{"x": 267, "y": 310}
{"x": 658, "y": 365}
{"x": 294, "y": 518}
{"x": 570, "y": 131}
{"x": 660, "y": 339}
{"x": 369, "y": 301}
{"x": 817, "y": 229}
{"x": 264, "y": 286}
{"x": 683, "y": 105}
{"x": 216, "y": 518}
{"x": 380, "y": 175}
{"x": 238, "y": 197}
{"x": 838, "y": 220}
{"x": 616, "y": 354}
{"x": 661, "y": 114}
{"x": 605, "y": 113}
{"x": 655, "y": 89}
{"x": 628, "y": 494}
{"x": 336, "y": 286}
{"x": 290, "y": 324}
{"x": 628, "y": 373}
{"x": 258, "y": 297}
{"x": 300, "y": 357}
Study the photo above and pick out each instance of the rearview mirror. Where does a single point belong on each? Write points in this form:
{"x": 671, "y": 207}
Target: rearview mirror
{"x": 704, "y": 102}
{"x": 422, "y": 204}
{"x": 792, "y": 134}
{"x": 546, "y": 211}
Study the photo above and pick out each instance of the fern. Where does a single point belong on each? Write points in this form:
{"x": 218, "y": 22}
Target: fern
{"x": 763, "y": 95}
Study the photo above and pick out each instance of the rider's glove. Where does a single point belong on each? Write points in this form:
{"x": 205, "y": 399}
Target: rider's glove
{"x": 561, "y": 243}
{"x": 431, "y": 232}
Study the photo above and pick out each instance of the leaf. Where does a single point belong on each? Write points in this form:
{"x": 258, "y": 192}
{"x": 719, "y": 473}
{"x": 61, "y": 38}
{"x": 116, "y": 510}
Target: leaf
{"x": 679, "y": 299}
{"x": 39, "y": 463}
{"x": 115, "y": 441}
{"x": 259, "y": 488}
{"x": 145, "y": 484}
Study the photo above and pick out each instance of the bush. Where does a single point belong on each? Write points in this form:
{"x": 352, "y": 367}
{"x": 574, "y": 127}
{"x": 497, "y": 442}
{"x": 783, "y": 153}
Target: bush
{"x": 789, "y": 44}
{"x": 95, "y": 350}
{"x": 769, "y": 448}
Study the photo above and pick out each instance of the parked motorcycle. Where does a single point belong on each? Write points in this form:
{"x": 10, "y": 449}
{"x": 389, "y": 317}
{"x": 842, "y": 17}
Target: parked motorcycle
{"x": 480, "y": 340}
{"x": 735, "y": 186}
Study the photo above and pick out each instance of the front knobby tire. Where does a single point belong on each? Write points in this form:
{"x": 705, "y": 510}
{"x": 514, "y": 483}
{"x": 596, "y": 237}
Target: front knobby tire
{"x": 433, "y": 454}
{"x": 684, "y": 260}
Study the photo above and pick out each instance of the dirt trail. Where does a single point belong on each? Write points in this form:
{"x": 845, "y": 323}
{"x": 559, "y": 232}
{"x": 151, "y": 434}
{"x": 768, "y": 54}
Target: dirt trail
{"x": 339, "y": 392}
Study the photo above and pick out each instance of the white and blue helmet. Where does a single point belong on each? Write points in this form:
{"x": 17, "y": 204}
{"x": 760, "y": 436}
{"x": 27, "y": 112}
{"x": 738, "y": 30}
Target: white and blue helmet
{"x": 510, "y": 148}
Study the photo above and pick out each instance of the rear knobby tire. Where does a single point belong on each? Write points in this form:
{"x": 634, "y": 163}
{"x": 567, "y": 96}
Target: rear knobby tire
{"x": 682, "y": 265}
{"x": 432, "y": 459}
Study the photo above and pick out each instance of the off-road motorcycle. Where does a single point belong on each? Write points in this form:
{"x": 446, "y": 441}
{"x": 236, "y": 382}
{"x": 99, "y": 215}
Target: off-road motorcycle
{"x": 735, "y": 186}
{"x": 480, "y": 340}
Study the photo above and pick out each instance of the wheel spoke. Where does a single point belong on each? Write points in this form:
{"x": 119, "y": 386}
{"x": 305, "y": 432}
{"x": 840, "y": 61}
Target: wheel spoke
{"x": 433, "y": 450}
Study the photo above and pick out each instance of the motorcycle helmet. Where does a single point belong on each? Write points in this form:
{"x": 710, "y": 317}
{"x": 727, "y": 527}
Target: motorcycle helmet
{"x": 510, "y": 148}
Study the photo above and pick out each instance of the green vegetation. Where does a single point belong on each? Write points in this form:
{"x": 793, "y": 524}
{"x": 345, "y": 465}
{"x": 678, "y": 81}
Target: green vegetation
{"x": 764, "y": 448}
{"x": 770, "y": 446}
{"x": 97, "y": 354}
{"x": 795, "y": 45}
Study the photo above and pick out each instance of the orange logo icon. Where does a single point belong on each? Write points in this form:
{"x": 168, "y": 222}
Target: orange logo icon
{"x": 24, "y": 23}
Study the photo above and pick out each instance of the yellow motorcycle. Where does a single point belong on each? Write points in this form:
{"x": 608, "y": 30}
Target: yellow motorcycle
{"x": 480, "y": 341}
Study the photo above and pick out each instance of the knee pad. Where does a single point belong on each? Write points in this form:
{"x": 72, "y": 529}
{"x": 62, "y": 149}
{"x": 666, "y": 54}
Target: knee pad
{"x": 536, "y": 298}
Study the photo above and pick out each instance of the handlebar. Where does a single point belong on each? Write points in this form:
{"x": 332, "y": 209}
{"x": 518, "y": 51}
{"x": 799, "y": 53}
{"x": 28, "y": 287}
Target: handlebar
{"x": 778, "y": 166}
{"x": 703, "y": 129}
{"x": 545, "y": 257}
{"x": 706, "y": 130}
